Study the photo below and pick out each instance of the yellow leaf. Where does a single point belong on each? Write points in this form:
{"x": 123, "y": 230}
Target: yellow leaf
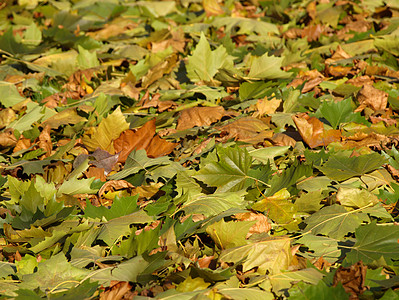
{"x": 108, "y": 130}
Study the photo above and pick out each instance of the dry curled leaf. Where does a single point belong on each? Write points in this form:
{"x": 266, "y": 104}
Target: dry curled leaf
{"x": 371, "y": 97}
{"x": 312, "y": 131}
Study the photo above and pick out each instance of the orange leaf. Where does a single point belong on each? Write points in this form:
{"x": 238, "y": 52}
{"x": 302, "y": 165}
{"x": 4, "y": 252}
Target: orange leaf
{"x": 159, "y": 147}
{"x": 134, "y": 139}
{"x": 199, "y": 116}
{"x": 312, "y": 131}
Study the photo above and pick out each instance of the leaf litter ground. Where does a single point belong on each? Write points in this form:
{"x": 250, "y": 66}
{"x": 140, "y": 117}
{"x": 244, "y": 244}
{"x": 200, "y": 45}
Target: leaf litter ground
{"x": 195, "y": 150}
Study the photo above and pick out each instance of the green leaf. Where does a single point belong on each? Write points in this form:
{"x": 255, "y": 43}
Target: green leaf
{"x": 87, "y": 59}
{"x": 6, "y": 269}
{"x": 374, "y": 242}
{"x": 341, "y": 167}
{"x": 356, "y": 198}
{"x": 54, "y": 274}
{"x": 267, "y": 67}
{"x": 213, "y": 204}
{"x": 229, "y": 173}
{"x": 288, "y": 178}
{"x": 339, "y": 112}
{"x": 120, "y": 207}
{"x": 283, "y": 281}
{"x": 334, "y": 221}
{"x": 310, "y": 202}
{"x": 304, "y": 291}
{"x": 320, "y": 246}
{"x": 204, "y": 63}
{"x": 138, "y": 160}
{"x": 9, "y": 94}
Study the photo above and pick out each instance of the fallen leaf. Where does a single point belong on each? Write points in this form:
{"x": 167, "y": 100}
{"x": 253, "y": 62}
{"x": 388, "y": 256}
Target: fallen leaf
{"x": 8, "y": 139}
{"x": 159, "y": 147}
{"x": 352, "y": 279}
{"x": 371, "y": 97}
{"x": 249, "y": 130}
{"x": 312, "y": 131}
{"x": 199, "y": 116}
{"x": 265, "y": 106}
{"x": 107, "y": 131}
{"x": 45, "y": 141}
{"x": 262, "y": 222}
{"x": 114, "y": 185}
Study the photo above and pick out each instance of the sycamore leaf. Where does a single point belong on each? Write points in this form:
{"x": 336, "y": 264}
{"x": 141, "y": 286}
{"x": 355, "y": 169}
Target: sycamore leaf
{"x": 9, "y": 94}
{"x": 374, "y": 242}
{"x": 304, "y": 291}
{"x": 356, "y": 198}
{"x": 204, "y": 63}
{"x": 107, "y": 131}
{"x": 229, "y": 173}
{"x": 278, "y": 207}
{"x": 246, "y": 293}
{"x": 267, "y": 67}
{"x": 320, "y": 246}
{"x": 49, "y": 277}
{"x": 339, "y": 112}
{"x": 120, "y": 207}
{"x": 212, "y": 205}
{"x": 190, "y": 284}
{"x": 138, "y": 160}
{"x": 271, "y": 255}
{"x": 230, "y": 234}
{"x": 334, "y": 221}
{"x": 341, "y": 167}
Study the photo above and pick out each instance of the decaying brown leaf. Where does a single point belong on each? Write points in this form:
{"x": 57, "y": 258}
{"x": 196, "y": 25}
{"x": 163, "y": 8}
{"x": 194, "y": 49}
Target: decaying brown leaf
{"x": 7, "y": 139}
{"x": 45, "y": 141}
{"x": 113, "y": 185}
{"x": 142, "y": 138}
{"x": 249, "y": 130}
{"x": 352, "y": 279}
{"x": 312, "y": 131}
{"x": 371, "y": 97}
{"x": 199, "y": 116}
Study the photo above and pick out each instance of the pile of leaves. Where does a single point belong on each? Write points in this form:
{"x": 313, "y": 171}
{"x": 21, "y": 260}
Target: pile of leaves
{"x": 199, "y": 149}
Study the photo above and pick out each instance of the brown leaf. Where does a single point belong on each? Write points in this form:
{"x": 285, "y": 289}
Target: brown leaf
{"x": 8, "y": 139}
{"x": 117, "y": 291}
{"x": 97, "y": 173}
{"x": 113, "y": 185}
{"x": 262, "y": 222}
{"x": 338, "y": 71}
{"x": 134, "y": 139}
{"x": 157, "y": 71}
{"x": 205, "y": 261}
{"x": 199, "y": 116}
{"x": 371, "y": 97}
{"x": 249, "y": 130}
{"x": 312, "y": 32}
{"x": 159, "y": 147}
{"x": 312, "y": 131}
{"x": 281, "y": 139}
{"x": 352, "y": 279}
{"x": 45, "y": 141}
{"x": 22, "y": 144}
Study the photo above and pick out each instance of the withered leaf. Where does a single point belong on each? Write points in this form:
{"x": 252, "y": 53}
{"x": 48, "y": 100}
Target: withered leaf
{"x": 312, "y": 131}
{"x": 371, "y": 97}
{"x": 199, "y": 116}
